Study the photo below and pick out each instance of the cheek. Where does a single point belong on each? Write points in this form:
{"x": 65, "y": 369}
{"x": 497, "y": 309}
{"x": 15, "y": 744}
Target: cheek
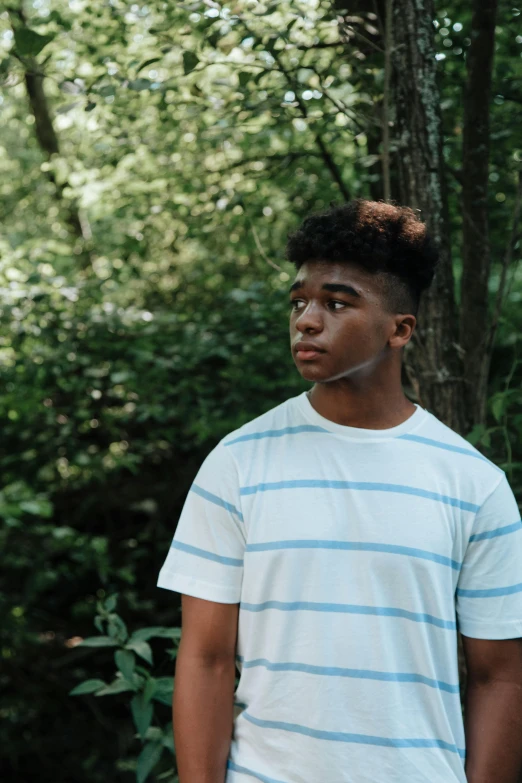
{"x": 354, "y": 336}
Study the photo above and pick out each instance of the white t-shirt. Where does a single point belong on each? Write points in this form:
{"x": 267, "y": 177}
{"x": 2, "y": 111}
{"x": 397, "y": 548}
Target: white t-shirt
{"x": 353, "y": 554}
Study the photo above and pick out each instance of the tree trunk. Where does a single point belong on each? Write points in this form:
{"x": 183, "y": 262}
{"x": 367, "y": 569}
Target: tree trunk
{"x": 48, "y": 141}
{"x": 49, "y": 145}
{"x": 476, "y": 248}
{"x": 434, "y": 362}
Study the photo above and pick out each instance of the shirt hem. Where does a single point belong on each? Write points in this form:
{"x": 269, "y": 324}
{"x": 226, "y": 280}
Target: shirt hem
{"x": 198, "y": 588}
{"x": 507, "y": 630}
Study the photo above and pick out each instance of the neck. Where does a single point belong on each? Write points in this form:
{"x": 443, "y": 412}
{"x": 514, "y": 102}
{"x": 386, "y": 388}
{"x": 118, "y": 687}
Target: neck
{"x": 344, "y": 403}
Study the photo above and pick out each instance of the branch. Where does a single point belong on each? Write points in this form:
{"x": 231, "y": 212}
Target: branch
{"x": 270, "y": 158}
{"x": 350, "y": 31}
{"x": 320, "y": 45}
{"x": 339, "y": 105}
{"x": 329, "y": 161}
{"x": 261, "y": 249}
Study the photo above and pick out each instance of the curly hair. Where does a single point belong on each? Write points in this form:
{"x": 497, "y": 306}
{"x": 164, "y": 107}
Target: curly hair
{"x": 383, "y": 239}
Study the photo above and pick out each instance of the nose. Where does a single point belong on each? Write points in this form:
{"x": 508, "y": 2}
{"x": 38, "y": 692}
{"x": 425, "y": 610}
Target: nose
{"x": 309, "y": 318}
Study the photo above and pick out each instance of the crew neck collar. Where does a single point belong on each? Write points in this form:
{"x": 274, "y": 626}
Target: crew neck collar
{"x": 360, "y": 433}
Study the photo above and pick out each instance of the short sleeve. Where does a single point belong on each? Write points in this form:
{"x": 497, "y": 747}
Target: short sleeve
{"x": 489, "y": 588}
{"x": 205, "y": 559}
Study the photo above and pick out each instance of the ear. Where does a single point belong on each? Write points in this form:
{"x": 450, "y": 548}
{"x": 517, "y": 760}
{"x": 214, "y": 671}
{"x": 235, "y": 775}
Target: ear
{"x": 404, "y": 328}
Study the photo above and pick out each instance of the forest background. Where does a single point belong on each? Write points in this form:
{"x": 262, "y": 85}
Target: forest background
{"x": 153, "y": 158}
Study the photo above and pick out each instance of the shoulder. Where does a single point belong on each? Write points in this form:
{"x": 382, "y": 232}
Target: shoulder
{"x": 269, "y": 422}
{"x": 452, "y": 455}
{"x": 436, "y": 429}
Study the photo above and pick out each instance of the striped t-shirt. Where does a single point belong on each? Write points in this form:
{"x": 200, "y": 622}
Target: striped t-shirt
{"x": 354, "y": 555}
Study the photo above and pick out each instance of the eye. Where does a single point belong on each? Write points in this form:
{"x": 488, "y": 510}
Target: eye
{"x": 293, "y": 302}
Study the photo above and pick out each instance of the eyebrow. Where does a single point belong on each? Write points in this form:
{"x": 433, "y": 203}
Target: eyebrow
{"x": 340, "y": 287}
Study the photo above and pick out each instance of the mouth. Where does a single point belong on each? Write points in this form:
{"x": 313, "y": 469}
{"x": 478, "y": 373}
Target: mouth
{"x": 307, "y": 355}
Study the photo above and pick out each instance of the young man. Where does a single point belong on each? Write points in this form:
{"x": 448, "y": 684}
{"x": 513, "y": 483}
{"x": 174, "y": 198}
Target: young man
{"x": 332, "y": 546}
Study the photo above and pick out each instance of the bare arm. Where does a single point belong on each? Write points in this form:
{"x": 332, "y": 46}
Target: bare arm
{"x": 493, "y": 710}
{"x": 204, "y": 689}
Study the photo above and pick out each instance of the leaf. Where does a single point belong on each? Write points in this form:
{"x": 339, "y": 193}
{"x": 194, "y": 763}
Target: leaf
{"x": 154, "y": 734}
{"x": 244, "y": 77}
{"x": 88, "y": 686}
{"x": 67, "y": 107}
{"x": 111, "y": 602}
{"x": 117, "y": 628}
{"x": 98, "y": 641}
{"x": 119, "y": 685}
{"x": 28, "y": 43}
{"x": 148, "y": 62}
{"x": 125, "y": 661}
{"x": 271, "y": 44}
{"x": 190, "y": 60}
{"x": 147, "y": 760}
{"x": 107, "y": 90}
{"x": 139, "y": 84}
{"x": 70, "y": 87}
{"x": 213, "y": 38}
{"x": 141, "y": 648}
{"x": 164, "y": 690}
{"x": 476, "y": 434}
{"x": 142, "y": 712}
{"x": 121, "y": 376}
{"x": 168, "y": 737}
{"x": 37, "y": 507}
{"x": 157, "y": 631}
{"x": 497, "y": 407}
{"x": 149, "y": 689}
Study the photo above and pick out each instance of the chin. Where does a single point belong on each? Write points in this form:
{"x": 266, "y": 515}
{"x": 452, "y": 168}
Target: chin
{"x": 312, "y": 373}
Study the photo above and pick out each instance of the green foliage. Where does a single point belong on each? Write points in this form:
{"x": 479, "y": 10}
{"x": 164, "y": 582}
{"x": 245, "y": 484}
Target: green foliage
{"x": 143, "y": 688}
{"x": 143, "y": 316}
{"x": 29, "y": 43}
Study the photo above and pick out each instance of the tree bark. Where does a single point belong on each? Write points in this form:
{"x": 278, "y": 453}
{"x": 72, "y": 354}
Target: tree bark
{"x": 476, "y": 257}
{"x": 49, "y": 145}
{"x": 48, "y": 141}
{"x": 433, "y": 363}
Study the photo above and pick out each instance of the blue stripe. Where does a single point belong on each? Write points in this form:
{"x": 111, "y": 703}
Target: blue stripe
{"x": 365, "y": 739}
{"x": 362, "y": 546}
{"x": 499, "y": 531}
{"x": 194, "y": 550}
{"x": 215, "y": 499}
{"x": 277, "y": 433}
{"x": 237, "y": 768}
{"x": 362, "y": 674}
{"x": 365, "y": 485}
{"x": 494, "y": 591}
{"x": 441, "y": 445}
{"x": 385, "y": 611}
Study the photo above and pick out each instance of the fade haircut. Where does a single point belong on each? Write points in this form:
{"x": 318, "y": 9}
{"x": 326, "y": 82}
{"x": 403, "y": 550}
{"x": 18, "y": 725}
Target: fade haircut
{"x": 384, "y": 239}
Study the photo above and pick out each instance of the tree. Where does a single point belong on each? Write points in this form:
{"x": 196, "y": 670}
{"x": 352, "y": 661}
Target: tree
{"x": 192, "y": 138}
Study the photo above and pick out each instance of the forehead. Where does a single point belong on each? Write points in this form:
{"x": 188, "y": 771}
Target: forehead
{"x": 315, "y": 274}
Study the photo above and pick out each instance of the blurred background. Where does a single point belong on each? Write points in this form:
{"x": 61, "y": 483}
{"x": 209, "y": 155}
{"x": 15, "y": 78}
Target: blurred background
{"x": 153, "y": 158}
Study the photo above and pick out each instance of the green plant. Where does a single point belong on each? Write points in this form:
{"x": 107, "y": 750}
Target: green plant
{"x": 131, "y": 652}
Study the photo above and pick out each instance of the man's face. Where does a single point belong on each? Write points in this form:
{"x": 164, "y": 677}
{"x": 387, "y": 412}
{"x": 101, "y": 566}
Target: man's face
{"x": 350, "y": 324}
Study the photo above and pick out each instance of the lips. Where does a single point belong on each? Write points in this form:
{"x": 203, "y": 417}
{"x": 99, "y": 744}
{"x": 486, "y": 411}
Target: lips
{"x": 303, "y": 345}
{"x": 305, "y": 351}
